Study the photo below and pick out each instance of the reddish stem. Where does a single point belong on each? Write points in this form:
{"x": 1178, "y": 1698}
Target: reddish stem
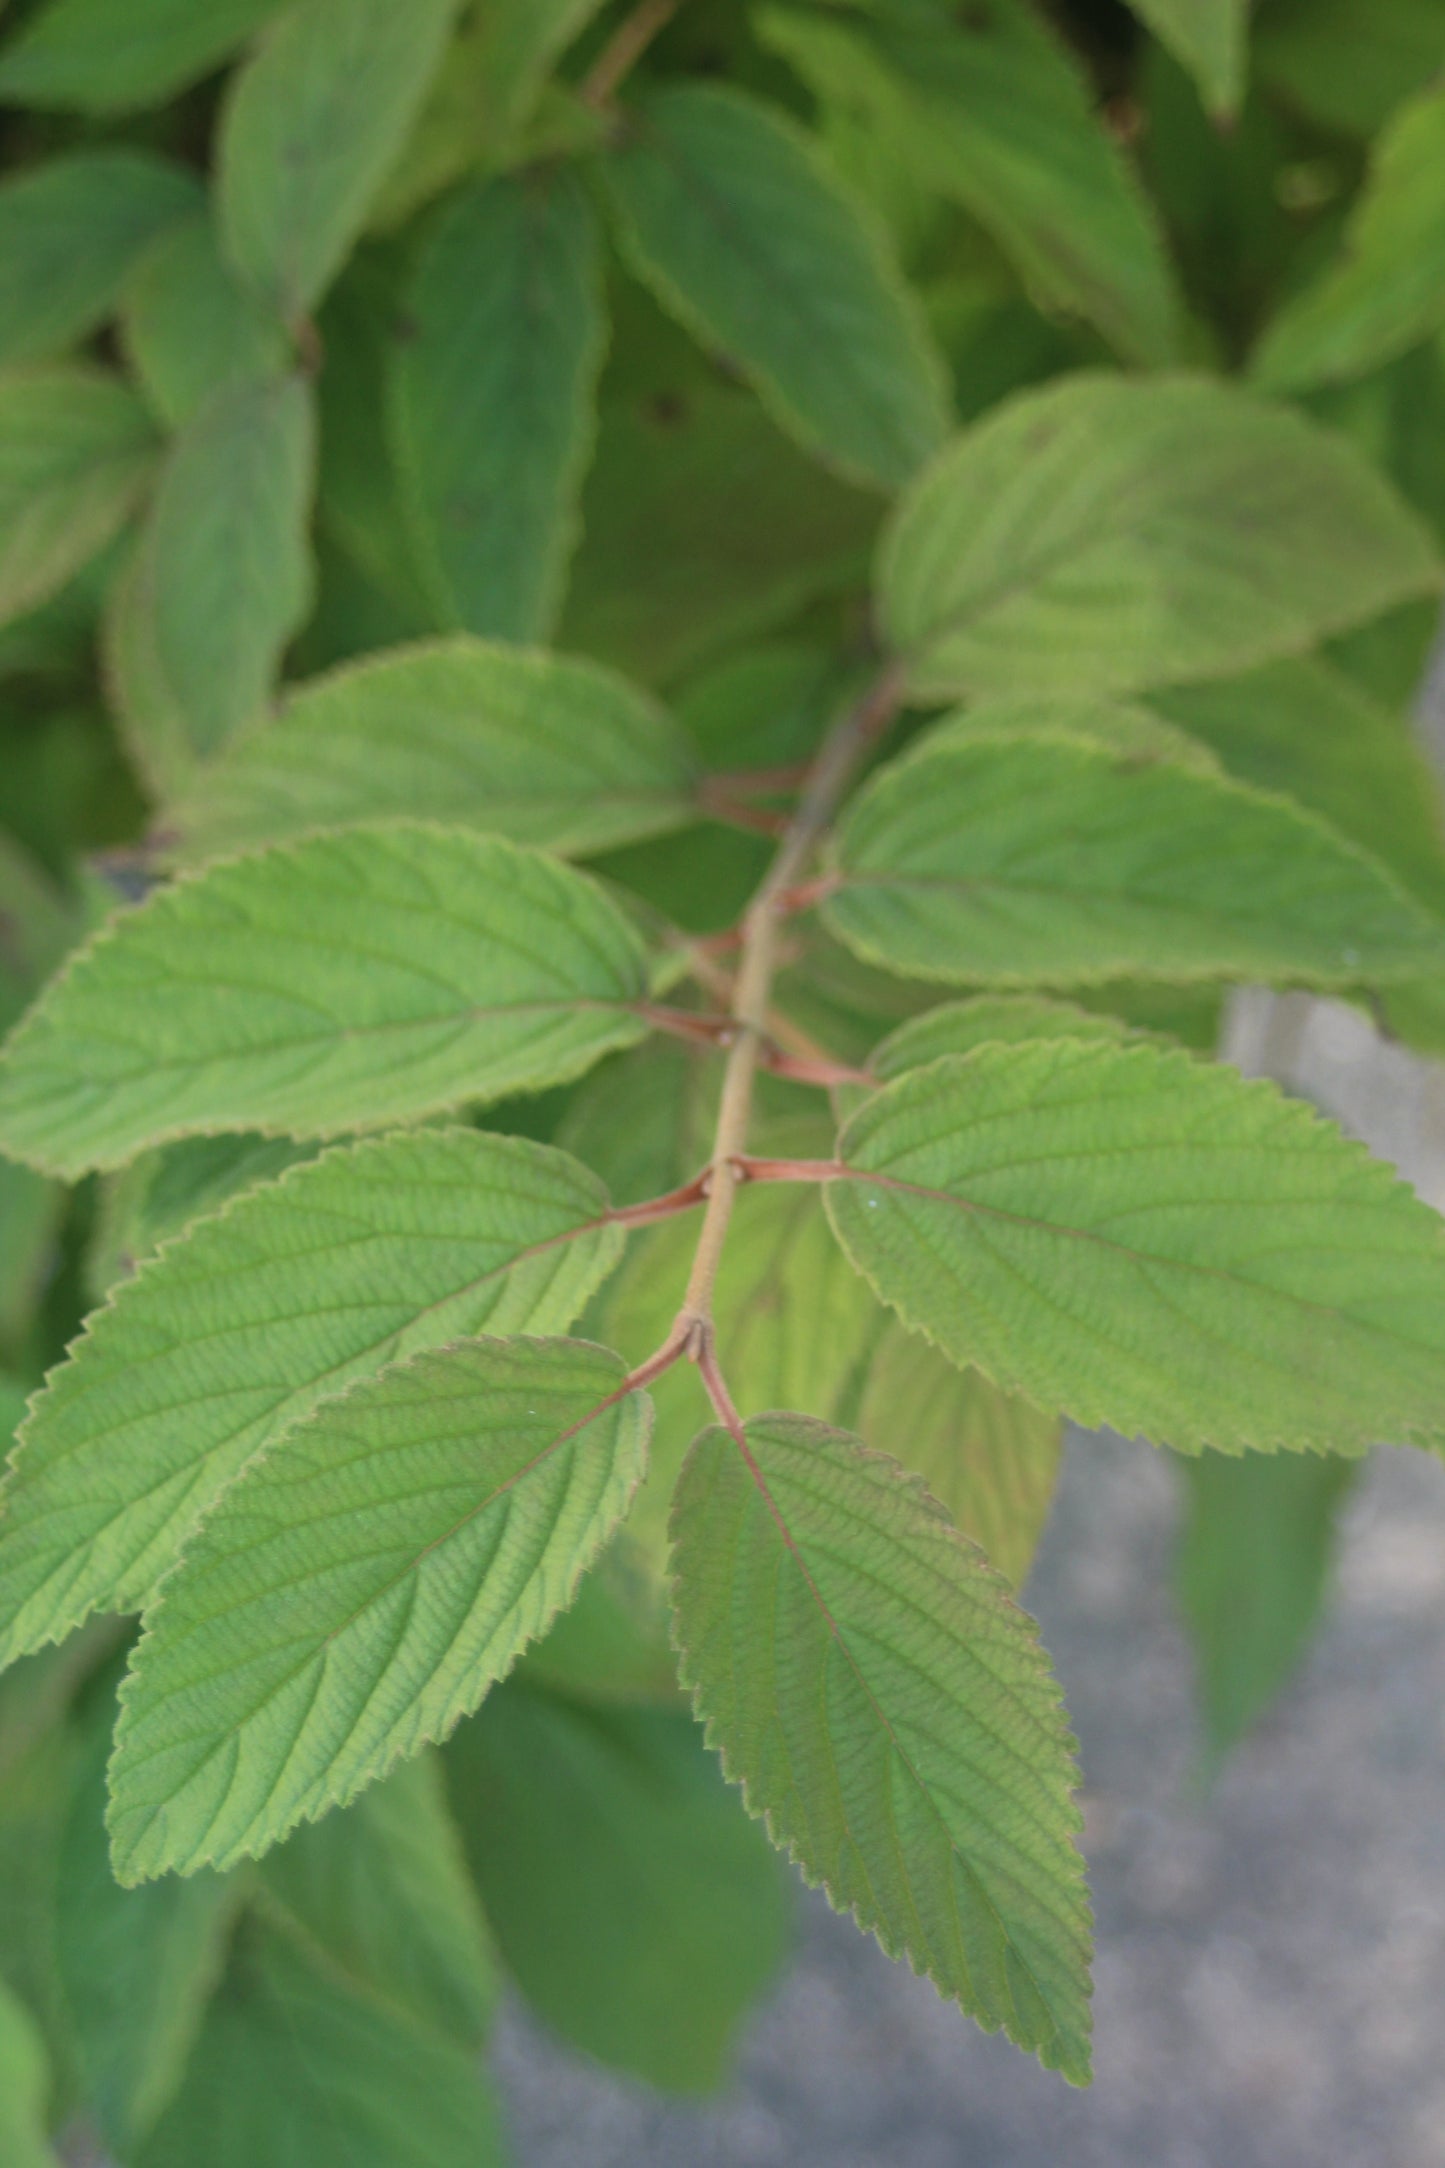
{"x": 789, "y": 1170}
{"x": 813, "y": 1069}
{"x": 661, "y": 1208}
{"x": 686, "y": 1024}
{"x": 806, "y": 893}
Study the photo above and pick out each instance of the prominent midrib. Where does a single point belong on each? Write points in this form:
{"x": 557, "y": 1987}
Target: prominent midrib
{"x": 842, "y": 1172}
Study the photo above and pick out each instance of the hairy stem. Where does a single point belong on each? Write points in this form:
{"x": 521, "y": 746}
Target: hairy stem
{"x": 843, "y": 752}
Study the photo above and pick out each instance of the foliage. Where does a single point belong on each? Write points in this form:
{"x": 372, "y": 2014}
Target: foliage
{"x": 658, "y": 663}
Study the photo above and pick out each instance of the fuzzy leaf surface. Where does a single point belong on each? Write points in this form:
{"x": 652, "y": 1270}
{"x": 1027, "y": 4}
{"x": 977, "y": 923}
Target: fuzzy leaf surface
{"x": 888, "y": 1711}
{"x": 992, "y": 113}
{"x": 238, "y": 1330}
{"x": 351, "y": 979}
{"x": 1105, "y": 534}
{"x": 311, "y": 127}
{"x": 220, "y": 580}
{"x": 731, "y": 216}
{"x": 104, "y": 56}
{"x": 1054, "y": 863}
{"x": 76, "y": 452}
{"x": 316, "y": 2073}
{"x": 1147, "y": 1241}
{"x": 70, "y": 231}
{"x": 957, "y": 1027}
{"x": 493, "y": 403}
{"x": 541, "y": 748}
{"x": 1385, "y": 290}
{"x": 358, "y": 1590}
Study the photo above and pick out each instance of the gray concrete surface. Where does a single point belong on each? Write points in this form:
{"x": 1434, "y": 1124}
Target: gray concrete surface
{"x": 1271, "y": 1968}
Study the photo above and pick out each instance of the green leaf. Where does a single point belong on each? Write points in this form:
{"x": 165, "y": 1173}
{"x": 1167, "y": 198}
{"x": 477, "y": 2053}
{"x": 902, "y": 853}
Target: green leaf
{"x": 76, "y": 452}
{"x": 702, "y": 525}
{"x": 31, "y": 1210}
{"x": 103, "y": 56}
{"x": 1385, "y": 290}
{"x": 37, "y": 925}
{"x": 220, "y": 579}
{"x": 1052, "y": 862}
{"x": 1304, "y": 728}
{"x": 493, "y": 397}
{"x": 163, "y": 1192}
{"x": 994, "y": 115}
{"x": 313, "y": 2073}
{"x": 136, "y": 1967}
{"x": 1144, "y": 1240}
{"x": 358, "y": 1590}
{"x": 888, "y": 1711}
{"x": 959, "y": 1026}
{"x": 70, "y": 232}
{"x": 1208, "y": 37}
{"x": 990, "y": 1458}
{"x": 382, "y": 1891}
{"x": 351, "y": 979}
{"x": 729, "y": 213}
{"x": 540, "y": 748}
{"x": 239, "y": 1329}
{"x": 24, "y": 2087}
{"x": 636, "y": 1907}
{"x": 1344, "y": 65}
{"x": 494, "y": 72}
{"x": 311, "y": 127}
{"x": 189, "y": 328}
{"x": 1254, "y": 1561}
{"x": 1128, "y": 728}
{"x": 1106, "y": 534}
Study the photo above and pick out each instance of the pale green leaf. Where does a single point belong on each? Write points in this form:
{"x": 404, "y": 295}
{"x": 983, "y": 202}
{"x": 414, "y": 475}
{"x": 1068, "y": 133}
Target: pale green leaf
{"x": 732, "y": 217}
{"x": 311, "y": 127}
{"x": 1051, "y": 862}
{"x": 1305, "y": 728}
{"x": 71, "y": 230}
{"x": 351, "y": 979}
{"x": 357, "y": 1591}
{"x": 76, "y": 452}
{"x": 1127, "y": 728}
{"x": 298, "y": 2069}
{"x": 1385, "y": 290}
{"x": 220, "y": 579}
{"x": 959, "y": 1026}
{"x": 1209, "y": 38}
{"x": 635, "y": 1905}
{"x": 110, "y": 55}
{"x": 24, "y": 2087}
{"x": 989, "y": 1457}
{"x": 493, "y": 399}
{"x": 704, "y": 525}
{"x": 889, "y": 1712}
{"x": 540, "y": 748}
{"x": 1254, "y": 1560}
{"x": 136, "y": 1967}
{"x": 1105, "y": 534}
{"x": 993, "y": 114}
{"x": 189, "y": 327}
{"x": 1148, "y": 1241}
{"x": 382, "y": 1892}
{"x": 241, "y": 1327}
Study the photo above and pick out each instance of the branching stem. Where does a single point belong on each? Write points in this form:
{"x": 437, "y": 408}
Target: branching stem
{"x": 624, "y": 49}
{"x": 843, "y": 752}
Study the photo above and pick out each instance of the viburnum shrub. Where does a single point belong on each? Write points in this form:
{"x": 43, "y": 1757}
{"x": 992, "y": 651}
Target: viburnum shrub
{"x": 658, "y": 663}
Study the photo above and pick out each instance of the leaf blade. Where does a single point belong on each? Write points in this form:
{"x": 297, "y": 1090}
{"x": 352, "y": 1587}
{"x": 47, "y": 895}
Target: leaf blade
{"x": 76, "y": 453}
{"x": 1104, "y": 535}
{"x": 403, "y": 981}
{"x": 243, "y": 1325}
{"x": 935, "y": 1804}
{"x": 1097, "y": 1222}
{"x": 731, "y": 218}
{"x": 381, "y": 1529}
